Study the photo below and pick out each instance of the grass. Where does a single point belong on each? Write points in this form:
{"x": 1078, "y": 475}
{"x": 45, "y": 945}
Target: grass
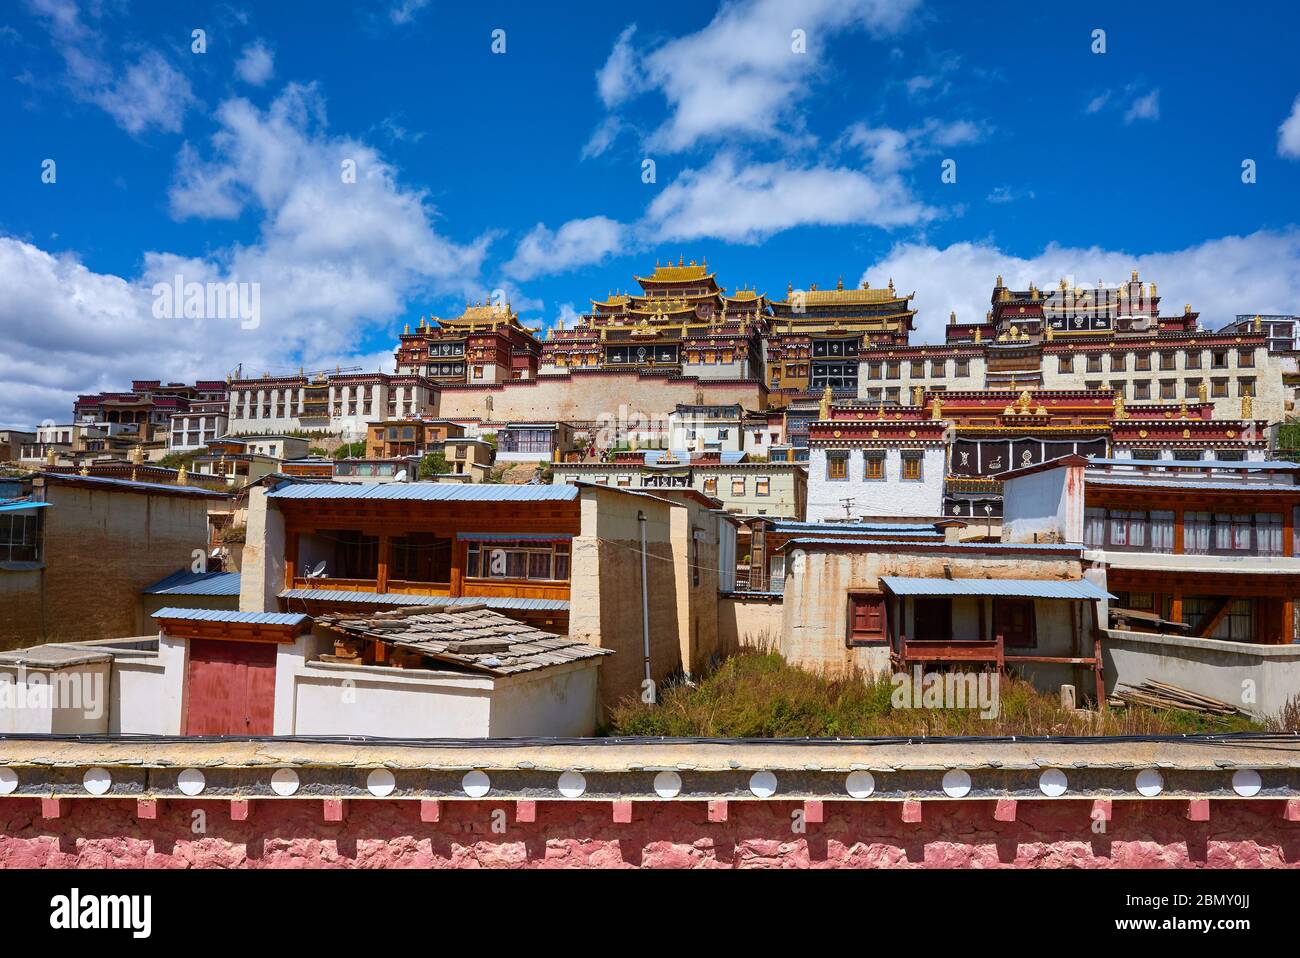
{"x": 757, "y": 695}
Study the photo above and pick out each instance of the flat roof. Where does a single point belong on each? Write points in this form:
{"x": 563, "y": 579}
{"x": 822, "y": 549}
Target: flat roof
{"x": 1019, "y": 588}
{"x": 930, "y": 545}
{"x": 222, "y": 615}
{"x": 427, "y": 491}
{"x": 1268, "y": 465}
{"x": 130, "y": 485}
{"x": 359, "y": 597}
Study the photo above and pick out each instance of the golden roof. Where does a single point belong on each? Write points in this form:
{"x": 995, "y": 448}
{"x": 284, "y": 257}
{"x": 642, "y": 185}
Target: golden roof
{"x": 682, "y": 272}
{"x": 849, "y": 297}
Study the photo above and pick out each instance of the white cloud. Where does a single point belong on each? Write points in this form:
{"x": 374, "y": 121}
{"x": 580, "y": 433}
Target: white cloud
{"x": 890, "y": 150}
{"x": 747, "y": 203}
{"x": 256, "y": 64}
{"x": 739, "y": 77}
{"x": 1288, "y": 134}
{"x": 333, "y": 261}
{"x": 1097, "y": 103}
{"x": 1145, "y": 107}
{"x": 576, "y": 243}
{"x": 150, "y": 92}
{"x": 1257, "y": 273}
{"x": 405, "y": 10}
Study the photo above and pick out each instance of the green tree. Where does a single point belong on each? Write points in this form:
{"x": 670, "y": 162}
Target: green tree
{"x": 351, "y": 450}
{"x": 433, "y": 464}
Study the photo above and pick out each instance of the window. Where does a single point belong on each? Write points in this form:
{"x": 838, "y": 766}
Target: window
{"x": 1142, "y": 389}
{"x": 911, "y": 467}
{"x": 875, "y": 465}
{"x": 892, "y": 370}
{"x": 1168, "y": 389}
{"x": 762, "y": 486}
{"x": 873, "y": 371}
{"x": 1188, "y": 455}
{"x": 1246, "y": 386}
{"x": 1192, "y": 359}
{"x": 738, "y": 486}
{"x": 1013, "y": 619}
{"x": 918, "y": 369}
{"x": 1219, "y": 388}
{"x": 939, "y": 367}
{"x": 1094, "y": 364}
{"x": 1119, "y": 388}
{"x": 356, "y": 555}
{"x": 1245, "y": 358}
{"x": 932, "y": 619}
{"x": 1147, "y": 454}
{"x": 1118, "y": 362}
{"x": 963, "y": 367}
{"x": 1219, "y": 360}
{"x": 1168, "y": 361}
{"x": 518, "y": 559}
{"x": 1192, "y": 388}
{"x": 421, "y": 557}
{"x": 1065, "y": 364}
{"x": 711, "y": 486}
{"x": 22, "y": 535}
{"x": 837, "y": 466}
{"x": 1126, "y": 529}
{"x": 1143, "y": 362}
{"x": 868, "y": 619}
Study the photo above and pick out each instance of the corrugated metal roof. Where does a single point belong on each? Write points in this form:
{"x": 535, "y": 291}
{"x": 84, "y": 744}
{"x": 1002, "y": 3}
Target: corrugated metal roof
{"x": 394, "y": 598}
{"x": 851, "y": 528}
{"x": 221, "y": 615}
{"x": 427, "y": 491}
{"x": 1281, "y": 465}
{"x": 930, "y": 544}
{"x": 1018, "y": 588}
{"x": 21, "y": 505}
{"x": 132, "y": 484}
{"x": 184, "y": 582}
{"x": 1173, "y": 482}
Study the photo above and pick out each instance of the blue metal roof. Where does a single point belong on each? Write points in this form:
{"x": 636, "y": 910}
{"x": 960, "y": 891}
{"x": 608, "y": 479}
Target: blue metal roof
{"x": 427, "y": 491}
{"x": 850, "y": 528}
{"x": 221, "y": 615}
{"x": 1280, "y": 465}
{"x": 931, "y": 544}
{"x": 395, "y": 598}
{"x": 21, "y": 505}
{"x": 1017, "y": 588}
{"x": 132, "y": 484}
{"x": 184, "y": 582}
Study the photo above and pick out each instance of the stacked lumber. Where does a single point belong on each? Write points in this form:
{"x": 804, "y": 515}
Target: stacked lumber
{"x": 1162, "y": 695}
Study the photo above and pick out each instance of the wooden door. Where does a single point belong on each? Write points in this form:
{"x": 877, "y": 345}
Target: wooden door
{"x": 230, "y": 688}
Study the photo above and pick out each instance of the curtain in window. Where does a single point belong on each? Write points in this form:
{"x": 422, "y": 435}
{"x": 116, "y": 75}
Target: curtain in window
{"x": 1094, "y": 528}
{"x": 1162, "y": 532}
{"x": 1196, "y": 533}
{"x": 1268, "y": 533}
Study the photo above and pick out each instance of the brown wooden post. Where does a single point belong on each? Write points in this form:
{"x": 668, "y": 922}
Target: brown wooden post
{"x": 290, "y": 559}
{"x": 381, "y": 575}
{"x": 458, "y": 567}
{"x": 1096, "y": 654}
{"x": 1178, "y": 530}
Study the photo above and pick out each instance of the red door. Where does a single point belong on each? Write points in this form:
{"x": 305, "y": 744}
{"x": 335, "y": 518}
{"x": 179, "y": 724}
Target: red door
{"x": 231, "y": 688}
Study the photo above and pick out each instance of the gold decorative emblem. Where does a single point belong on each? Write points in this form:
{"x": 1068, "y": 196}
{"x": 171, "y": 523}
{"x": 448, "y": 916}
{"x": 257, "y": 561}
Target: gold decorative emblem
{"x": 911, "y": 433}
{"x": 1142, "y": 433}
{"x": 836, "y": 434}
{"x": 875, "y": 434}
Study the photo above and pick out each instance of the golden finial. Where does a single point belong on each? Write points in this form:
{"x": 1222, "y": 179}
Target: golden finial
{"x": 406, "y": 330}
{"x": 918, "y": 395}
{"x": 1049, "y": 332}
{"x": 1259, "y": 323}
{"x": 1187, "y": 309}
{"x": 1182, "y": 409}
{"x": 1247, "y": 407}
{"x": 938, "y": 408}
{"x": 999, "y": 282}
{"x": 952, "y": 318}
{"x": 840, "y": 282}
{"x": 978, "y": 334}
{"x": 1135, "y": 276}
{"x": 891, "y": 284}
{"x": 85, "y": 468}
{"x": 1153, "y": 290}
{"x": 1203, "y": 393}
{"x": 1120, "y": 411}
{"x": 1025, "y": 399}
{"x": 825, "y": 409}
{"x": 182, "y": 476}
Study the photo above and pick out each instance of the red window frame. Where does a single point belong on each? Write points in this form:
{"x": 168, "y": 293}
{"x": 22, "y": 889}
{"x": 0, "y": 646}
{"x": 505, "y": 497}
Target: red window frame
{"x": 868, "y": 619}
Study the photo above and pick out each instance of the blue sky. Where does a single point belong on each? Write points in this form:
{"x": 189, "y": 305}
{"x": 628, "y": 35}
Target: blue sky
{"x": 522, "y": 171}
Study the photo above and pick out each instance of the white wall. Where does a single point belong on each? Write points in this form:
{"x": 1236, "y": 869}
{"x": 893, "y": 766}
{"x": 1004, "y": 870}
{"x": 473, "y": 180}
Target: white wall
{"x": 71, "y": 700}
{"x": 891, "y": 496}
{"x": 1044, "y": 506}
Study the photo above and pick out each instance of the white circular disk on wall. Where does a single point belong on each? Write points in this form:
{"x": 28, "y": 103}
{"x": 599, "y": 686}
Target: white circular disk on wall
{"x": 668, "y": 784}
{"x": 380, "y": 782}
{"x": 1246, "y": 782}
{"x": 1150, "y": 783}
{"x": 572, "y": 784}
{"x": 956, "y": 783}
{"x": 1053, "y": 782}
{"x": 762, "y": 784}
{"x": 284, "y": 782}
{"x": 476, "y": 784}
{"x": 860, "y": 784}
{"x": 8, "y": 781}
{"x": 97, "y": 780}
{"x": 191, "y": 781}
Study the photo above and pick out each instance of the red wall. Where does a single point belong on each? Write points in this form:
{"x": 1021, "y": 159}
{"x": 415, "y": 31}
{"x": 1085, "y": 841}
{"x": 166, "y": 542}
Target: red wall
{"x": 293, "y": 833}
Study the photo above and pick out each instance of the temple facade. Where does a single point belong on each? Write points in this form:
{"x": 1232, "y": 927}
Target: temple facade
{"x": 487, "y": 343}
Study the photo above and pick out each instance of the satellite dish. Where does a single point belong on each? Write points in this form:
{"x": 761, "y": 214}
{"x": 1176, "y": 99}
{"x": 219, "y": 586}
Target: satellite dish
{"x": 317, "y": 570}
{"x": 401, "y": 476}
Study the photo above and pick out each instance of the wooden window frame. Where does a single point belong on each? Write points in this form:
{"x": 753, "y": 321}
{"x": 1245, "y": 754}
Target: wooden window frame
{"x": 860, "y": 602}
